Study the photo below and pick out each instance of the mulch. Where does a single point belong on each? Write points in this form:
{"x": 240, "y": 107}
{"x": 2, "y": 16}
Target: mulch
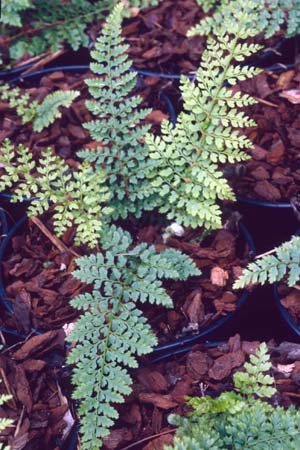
{"x": 34, "y": 373}
{"x": 273, "y": 172}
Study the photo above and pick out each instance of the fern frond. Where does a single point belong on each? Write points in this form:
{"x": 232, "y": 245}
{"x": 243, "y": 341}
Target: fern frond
{"x": 285, "y": 262}
{"x": 53, "y": 24}
{"x": 112, "y": 330}
{"x": 4, "y": 422}
{"x": 40, "y": 114}
{"x": 118, "y": 123}
{"x": 254, "y": 381}
{"x": 186, "y": 173}
{"x": 234, "y": 421}
{"x": 267, "y": 17}
{"x": 79, "y": 196}
{"x": 11, "y": 11}
{"x": 48, "y": 111}
{"x": 206, "y": 5}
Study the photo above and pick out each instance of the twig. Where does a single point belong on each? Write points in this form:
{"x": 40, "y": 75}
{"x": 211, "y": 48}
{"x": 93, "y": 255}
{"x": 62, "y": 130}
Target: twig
{"x": 29, "y": 61}
{"x": 55, "y": 241}
{"x": 148, "y": 439}
{"x": 265, "y": 102}
{"x": 2, "y": 338}
{"x": 48, "y": 58}
{"x": 7, "y": 386}
{"x": 270, "y": 252}
{"x": 19, "y": 422}
{"x": 292, "y": 394}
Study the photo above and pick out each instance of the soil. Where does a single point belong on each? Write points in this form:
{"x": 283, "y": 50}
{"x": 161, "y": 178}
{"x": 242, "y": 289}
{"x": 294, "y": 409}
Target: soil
{"x": 290, "y": 299}
{"x": 34, "y": 372}
{"x": 273, "y": 172}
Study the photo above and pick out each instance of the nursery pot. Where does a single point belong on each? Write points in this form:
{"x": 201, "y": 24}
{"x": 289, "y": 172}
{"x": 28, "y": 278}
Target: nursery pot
{"x": 291, "y": 326}
{"x": 270, "y": 223}
{"x": 217, "y": 330}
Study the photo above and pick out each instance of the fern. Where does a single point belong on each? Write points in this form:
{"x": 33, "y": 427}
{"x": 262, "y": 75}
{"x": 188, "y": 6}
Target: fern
{"x": 240, "y": 421}
{"x": 206, "y": 5}
{"x": 79, "y": 197}
{"x": 4, "y": 422}
{"x": 11, "y": 11}
{"x": 187, "y": 174}
{"x": 285, "y": 262}
{"x": 50, "y": 25}
{"x": 40, "y": 114}
{"x": 118, "y": 125}
{"x": 253, "y": 382}
{"x": 112, "y": 330}
{"x": 268, "y": 17}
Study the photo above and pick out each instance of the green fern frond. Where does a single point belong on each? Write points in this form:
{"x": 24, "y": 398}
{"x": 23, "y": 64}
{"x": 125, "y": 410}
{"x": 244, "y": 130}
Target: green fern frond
{"x": 4, "y": 422}
{"x": 40, "y": 114}
{"x": 48, "y": 111}
{"x": 112, "y": 330}
{"x": 11, "y": 11}
{"x": 118, "y": 125}
{"x": 285, "y": 262}
{"x": 254, "y": 381}
{"x": 186, "y": 173}
{"x": 206, "y": 5}
{"x": 51, "y": 25}
{"x": 79, "y": 196}
{"x": 267, "y": 17}
{"x": 236, "y": 421}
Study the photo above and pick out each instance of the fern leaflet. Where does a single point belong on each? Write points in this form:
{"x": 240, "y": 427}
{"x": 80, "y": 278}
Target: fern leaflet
{"x": 274, "y": 267}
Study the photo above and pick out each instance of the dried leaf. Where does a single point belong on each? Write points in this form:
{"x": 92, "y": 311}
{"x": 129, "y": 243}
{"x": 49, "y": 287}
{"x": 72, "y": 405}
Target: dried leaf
{"x": 197, "y": 364}
{"x": 35, "y": 344}
{"x": 223, "y": 365}
{"x": 23, "y": 391}
{"x": 292, "y": 95}
{"x": 219, "y": 276}
{"x": 160, "y": 401}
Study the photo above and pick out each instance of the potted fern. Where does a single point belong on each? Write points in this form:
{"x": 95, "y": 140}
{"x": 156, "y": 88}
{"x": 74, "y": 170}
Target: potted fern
{"x": 240, "y": 418}
{"x": 178, "y": 173}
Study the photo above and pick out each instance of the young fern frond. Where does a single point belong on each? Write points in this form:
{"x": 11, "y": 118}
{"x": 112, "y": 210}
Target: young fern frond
{"x": 4, "y": 422}
{"x": 112, "y": 330}
{"x": 40, "y": 114}
{"x": 118, "y": 124}
{"x": 285, "y": 262}
{"x": 186, "y": 173}
{"x": 236, "y": 421}
{"x": 254, "y": 382}
{"x": 79, "y": 196}
{"x": 267, "y": 17}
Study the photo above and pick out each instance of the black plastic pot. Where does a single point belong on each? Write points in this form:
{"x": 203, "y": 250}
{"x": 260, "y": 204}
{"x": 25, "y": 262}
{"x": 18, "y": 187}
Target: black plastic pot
{"x": 282, "y": 54}
{"x": 219, "y": 329}
{"x": 84, "y": 68}
{"x": 292, "y": 328}
{"x": 270, "y": 223}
